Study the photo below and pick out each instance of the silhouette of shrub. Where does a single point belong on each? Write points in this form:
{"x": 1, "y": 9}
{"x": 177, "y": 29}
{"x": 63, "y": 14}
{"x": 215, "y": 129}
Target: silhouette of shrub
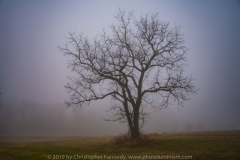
{"x": 142, "y": 140}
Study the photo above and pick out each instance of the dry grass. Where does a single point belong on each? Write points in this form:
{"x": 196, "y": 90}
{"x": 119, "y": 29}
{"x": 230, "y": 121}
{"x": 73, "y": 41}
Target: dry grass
{"x": 199, "y": 145}
{"x": 142, "y": 141}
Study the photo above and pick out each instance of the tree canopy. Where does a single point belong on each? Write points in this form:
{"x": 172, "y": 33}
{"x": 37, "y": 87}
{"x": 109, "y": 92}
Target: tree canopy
{"x": 139, "y": 65}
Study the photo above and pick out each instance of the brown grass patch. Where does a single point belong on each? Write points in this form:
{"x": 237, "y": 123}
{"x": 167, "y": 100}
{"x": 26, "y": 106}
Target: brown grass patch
{"x": 141, "y": 141}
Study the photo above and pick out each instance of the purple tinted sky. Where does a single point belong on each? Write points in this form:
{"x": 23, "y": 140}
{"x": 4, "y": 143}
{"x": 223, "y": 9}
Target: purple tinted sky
{"x": 33, "y": 69}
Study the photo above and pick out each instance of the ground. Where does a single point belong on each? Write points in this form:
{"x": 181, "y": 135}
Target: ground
{"x": 195, "y": 145}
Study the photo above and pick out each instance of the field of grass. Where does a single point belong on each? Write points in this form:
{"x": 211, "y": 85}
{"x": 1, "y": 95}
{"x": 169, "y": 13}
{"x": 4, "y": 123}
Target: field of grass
{"x": 199, "y": 145}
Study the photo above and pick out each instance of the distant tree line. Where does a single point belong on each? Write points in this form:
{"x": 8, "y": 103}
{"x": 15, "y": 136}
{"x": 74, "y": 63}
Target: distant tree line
{"x": 31, "y": 118}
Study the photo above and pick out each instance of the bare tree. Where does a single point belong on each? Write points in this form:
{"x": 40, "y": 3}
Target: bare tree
{"x": 188, "y": 127}
{"x": 201, "y": 126}
{"x": 0, "y": 90}
{"x": 232, "y": 125}
{"x": 140, "y": 65}
{"x": 0, "y": 95}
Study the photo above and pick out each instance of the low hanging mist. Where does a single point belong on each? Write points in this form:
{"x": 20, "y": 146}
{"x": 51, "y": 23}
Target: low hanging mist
{"x": 33, "y": 72}
{"x": 29, "y": 118}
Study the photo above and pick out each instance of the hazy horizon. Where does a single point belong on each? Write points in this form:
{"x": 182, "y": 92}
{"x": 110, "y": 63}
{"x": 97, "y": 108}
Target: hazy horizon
{"x": 33, "y": 71}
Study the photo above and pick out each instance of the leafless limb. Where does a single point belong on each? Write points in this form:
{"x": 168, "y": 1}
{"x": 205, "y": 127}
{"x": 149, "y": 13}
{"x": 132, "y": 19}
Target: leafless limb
{"x": 140, "y": 64}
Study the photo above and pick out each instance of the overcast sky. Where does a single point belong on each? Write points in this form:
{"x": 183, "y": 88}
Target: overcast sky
{"x": 32, "y": 68}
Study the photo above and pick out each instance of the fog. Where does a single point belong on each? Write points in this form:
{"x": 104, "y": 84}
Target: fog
{"x": 33, "y": 71}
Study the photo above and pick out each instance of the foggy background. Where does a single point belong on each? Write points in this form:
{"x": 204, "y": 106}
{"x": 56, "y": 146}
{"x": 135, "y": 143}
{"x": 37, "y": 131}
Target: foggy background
{"x": 33, "y": 72}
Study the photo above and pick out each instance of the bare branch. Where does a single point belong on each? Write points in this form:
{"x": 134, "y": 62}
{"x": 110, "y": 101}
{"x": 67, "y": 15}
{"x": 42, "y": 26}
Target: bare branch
{"x": 141, "y": 64}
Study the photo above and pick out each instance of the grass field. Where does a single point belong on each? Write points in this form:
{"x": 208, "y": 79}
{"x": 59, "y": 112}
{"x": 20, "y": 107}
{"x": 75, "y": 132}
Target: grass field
{"x": 216, "y": 145}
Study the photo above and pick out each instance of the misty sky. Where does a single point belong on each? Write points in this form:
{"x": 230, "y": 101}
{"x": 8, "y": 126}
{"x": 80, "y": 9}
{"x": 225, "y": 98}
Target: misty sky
{"x": 32, "y": 69}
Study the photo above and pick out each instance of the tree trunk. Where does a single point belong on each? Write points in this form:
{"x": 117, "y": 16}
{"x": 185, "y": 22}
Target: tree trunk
{"x": 132, "y": 122}
{"x": 135, "y": 129}
{"x": 135, "y": 133}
